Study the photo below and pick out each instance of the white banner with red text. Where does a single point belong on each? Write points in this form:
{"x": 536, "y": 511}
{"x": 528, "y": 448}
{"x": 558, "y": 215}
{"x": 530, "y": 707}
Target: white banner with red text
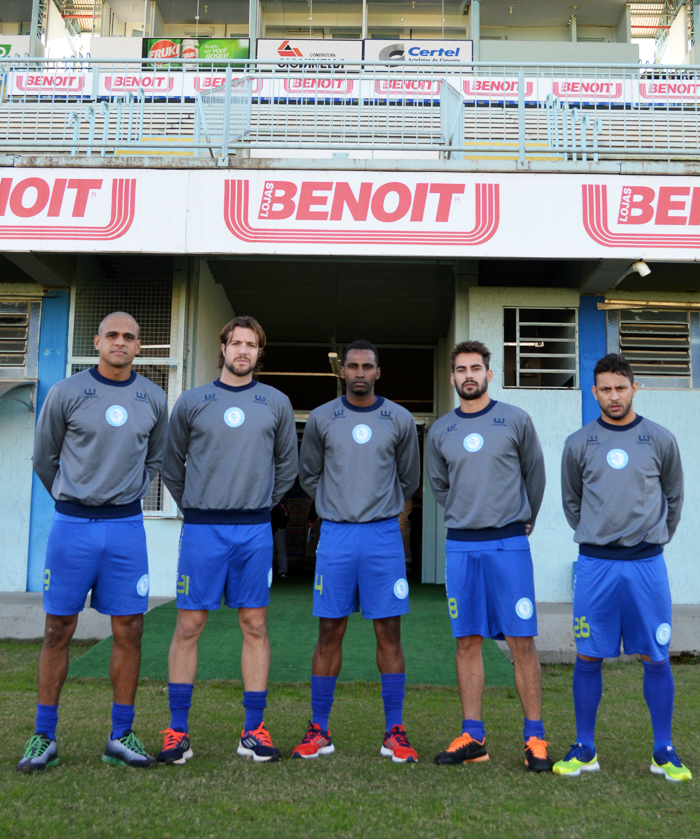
{"x": 389, "y": 214}
{"x": 421, "y": 84}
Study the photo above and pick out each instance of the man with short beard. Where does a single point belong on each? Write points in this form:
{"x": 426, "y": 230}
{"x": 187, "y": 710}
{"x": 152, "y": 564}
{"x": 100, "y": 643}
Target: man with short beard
{"x": 486, "y": 468}
{"x": 231, "y": 456}
{"x": 622, "y": 489}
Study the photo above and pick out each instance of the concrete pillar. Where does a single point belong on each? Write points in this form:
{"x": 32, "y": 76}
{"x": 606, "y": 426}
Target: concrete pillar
{"x": 474, "y": 25}
{"x": 623, "y": 33}
{"x": 572, "y": 28}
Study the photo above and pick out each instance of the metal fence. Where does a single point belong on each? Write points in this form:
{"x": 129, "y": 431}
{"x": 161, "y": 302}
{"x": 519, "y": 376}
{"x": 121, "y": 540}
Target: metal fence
{"x": 364, "y": 109}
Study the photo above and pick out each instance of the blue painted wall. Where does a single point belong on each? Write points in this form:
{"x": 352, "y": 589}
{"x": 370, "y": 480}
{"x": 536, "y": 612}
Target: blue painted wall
{"x": 53, "y": 348}
{"x": 592, "y": 345}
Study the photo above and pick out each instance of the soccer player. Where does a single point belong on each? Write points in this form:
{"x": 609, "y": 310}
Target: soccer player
{"x": 359, "y": 462}
{"x": 486, "y": 468}
{"x": 99, "y": 444}
{"x": 622, "y": 489}
{"x": 231, "y": 456}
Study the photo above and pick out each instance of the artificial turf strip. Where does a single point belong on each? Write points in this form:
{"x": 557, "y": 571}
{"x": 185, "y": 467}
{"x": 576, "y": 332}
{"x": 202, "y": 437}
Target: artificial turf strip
{"x": 427, "y": 641}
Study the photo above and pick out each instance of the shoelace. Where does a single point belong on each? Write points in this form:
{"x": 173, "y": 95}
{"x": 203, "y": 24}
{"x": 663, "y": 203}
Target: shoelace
{"x": 578, "y": 750}
{"x": 312, "y": 733}
{"x": 537, "y": 747}
{"x": 463, "y": 740}
{"x": 399, "y": 736}
{"x": 172, "y": 738}
{"x": 131, "y": 741}
{"x": 670, "y": 756}
{"x": 262, "y": 734}
{"x": 35, "y": 746}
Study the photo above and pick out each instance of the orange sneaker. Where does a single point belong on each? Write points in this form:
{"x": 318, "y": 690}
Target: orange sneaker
{"x": 317, "y": 741}
{"x": 397, "y": 747}
{"x": 258, "y": 745}
{"x": 464, "y": 749}
{"x": 536, "y": 757}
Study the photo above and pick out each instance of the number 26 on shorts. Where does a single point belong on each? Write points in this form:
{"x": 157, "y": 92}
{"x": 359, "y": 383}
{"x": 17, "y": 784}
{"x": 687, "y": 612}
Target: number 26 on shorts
{"x": 581, "y": 628}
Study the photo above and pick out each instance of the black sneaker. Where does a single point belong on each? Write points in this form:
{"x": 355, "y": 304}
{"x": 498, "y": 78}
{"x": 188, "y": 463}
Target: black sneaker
{"x": 39, "y": 752}
{"x": 536, "y": 757}
{"x": 465, "y": 749}
{"x": 176, "y": 747}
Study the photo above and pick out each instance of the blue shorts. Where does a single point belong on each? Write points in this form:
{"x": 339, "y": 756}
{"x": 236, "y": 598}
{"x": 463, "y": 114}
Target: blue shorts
{"x": 360, "y": 565}
{"x": 106, "y": 555}
{"x": 622, "y": 599}
{"x": 490, "y": 588}
{"x": 233, "y": 561}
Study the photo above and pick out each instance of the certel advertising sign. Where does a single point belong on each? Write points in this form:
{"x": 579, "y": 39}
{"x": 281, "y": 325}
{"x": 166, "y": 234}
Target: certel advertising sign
{"x": 328, "y": 53}
{"x": 440, "y": 51}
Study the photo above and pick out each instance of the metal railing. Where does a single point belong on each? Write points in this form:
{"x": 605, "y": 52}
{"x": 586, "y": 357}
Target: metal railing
{"x": 478, "y": 110}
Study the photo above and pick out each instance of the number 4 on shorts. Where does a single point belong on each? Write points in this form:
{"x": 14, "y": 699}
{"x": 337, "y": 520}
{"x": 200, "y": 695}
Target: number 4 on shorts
{"x": 581, "y": 628}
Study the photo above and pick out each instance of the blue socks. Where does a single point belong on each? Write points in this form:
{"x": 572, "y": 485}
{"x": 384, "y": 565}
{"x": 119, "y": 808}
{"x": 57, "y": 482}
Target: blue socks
{"x": 254, "y": 702}
{"x": 532, "y": 728}
{"x": 393, "y": 691}
{"x": 46, "y": 720}
{"x": 122, "y": 719}
{"x": 322, "y": 692}
{"x": 588, "y": 690}
{"x": 180, "y": 700}
{"x": 475, "y": 729}
{"x": 659, "y": 692}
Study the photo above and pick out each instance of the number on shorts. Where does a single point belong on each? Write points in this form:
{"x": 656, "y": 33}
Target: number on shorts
{"x": 47, "y": 579}
{"x": 183, "y": 585}
{"x": 452, "y": 606}
{"x": 581, "y": 628}
{"x": 318, "y": 583}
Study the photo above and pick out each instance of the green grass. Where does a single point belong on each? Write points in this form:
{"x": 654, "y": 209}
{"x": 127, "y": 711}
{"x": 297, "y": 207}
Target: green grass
{"x": 353, "y": 793}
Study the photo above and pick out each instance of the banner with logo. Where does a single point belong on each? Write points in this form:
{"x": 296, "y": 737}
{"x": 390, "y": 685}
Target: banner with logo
{"x": 204, "y": 48}
{"x": 330, "y": 53}
{"x": 350, "y": 213}
{"x": 418, "y": 50}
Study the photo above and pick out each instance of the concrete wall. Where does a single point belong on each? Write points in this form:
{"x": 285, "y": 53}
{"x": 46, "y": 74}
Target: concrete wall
{"x": 556, "y": 414}
{"x": 213, "y": 311}
{"x": 15, "y": 490}
{"x": 17, "y": 426}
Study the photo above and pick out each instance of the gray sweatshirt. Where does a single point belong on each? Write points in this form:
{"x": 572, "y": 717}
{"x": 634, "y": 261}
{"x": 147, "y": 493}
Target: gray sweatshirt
{"x": 622, "y": 488}
{"x": 232, "y": 452}
{"x": 100, "y": 443}
{"x": 359, "y": 464}
{"x": 487, "y": 470}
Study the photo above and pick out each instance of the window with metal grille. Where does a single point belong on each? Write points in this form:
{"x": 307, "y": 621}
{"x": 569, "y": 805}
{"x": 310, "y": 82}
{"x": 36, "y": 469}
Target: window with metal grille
{"x": 540, "y": 348}
{"x": 155, "y": 294}
{"x": 660, "y": 344}
{"x": 19, "y": 329}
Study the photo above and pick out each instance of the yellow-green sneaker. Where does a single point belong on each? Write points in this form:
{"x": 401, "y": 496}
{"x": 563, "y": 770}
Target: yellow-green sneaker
{"x": 667, "y": 763}
{"x": 580, "y": 759}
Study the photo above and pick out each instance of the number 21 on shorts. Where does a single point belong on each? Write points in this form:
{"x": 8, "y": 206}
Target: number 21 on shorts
{"x": 581, "y": 628}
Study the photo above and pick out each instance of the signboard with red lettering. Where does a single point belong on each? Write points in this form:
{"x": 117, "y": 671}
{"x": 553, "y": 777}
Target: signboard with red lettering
{"x": 348, "y": 213}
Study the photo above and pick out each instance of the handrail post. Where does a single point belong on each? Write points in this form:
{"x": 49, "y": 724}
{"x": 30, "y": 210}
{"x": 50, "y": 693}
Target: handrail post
{"x": 227, "y": 116}
{"x": 521, "y": 118}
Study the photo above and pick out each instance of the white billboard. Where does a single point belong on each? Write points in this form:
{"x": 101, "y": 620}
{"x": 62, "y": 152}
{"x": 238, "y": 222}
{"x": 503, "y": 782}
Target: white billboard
{"x": 349, "y": 213}
{"x": 418, "y": 50}
{"x": 330, "y": 53}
